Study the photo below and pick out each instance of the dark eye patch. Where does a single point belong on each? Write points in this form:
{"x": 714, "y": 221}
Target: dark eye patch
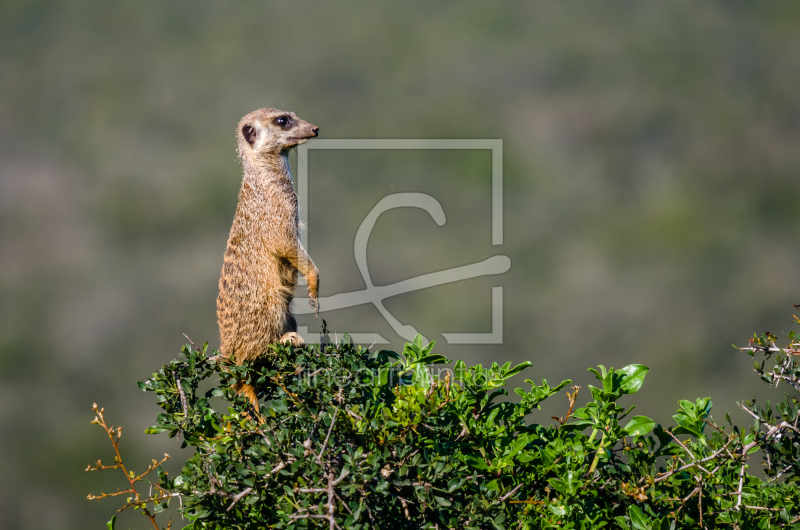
{"x": 249, "y": 133}
{"x": 283, "y": 122}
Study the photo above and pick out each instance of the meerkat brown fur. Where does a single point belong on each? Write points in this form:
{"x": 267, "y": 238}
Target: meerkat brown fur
{"x": 264, "y": 252}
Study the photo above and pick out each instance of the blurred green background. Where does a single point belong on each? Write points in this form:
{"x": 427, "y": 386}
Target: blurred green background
{"x": 651, "y": 186}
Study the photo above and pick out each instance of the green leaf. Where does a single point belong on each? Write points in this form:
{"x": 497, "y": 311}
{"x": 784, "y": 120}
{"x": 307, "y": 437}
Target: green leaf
{"x": 433, "y": 359}
{"x": 112, "y": 524}
{"x": 474, "y": 461}
{"x": 516, "y": 446}
{"x": 578, "y": 425}
{"x": 633, "y": 377}
{"x": 459, "y": 370}
{"x": 441, "y": 501}
{"x": 639, "y": 426}
{"x": 601, "y": 375}
{"x": 278, "y": 405}
{"x": 453, "y": 484}
{"x": 158, "y": 429}
{"x": 383, "y": 354}
{"x": 427, "y": 349}
{"x": 517, "y": 369}
{"x": 422, "y": 378}
{"x": 639, "y": 521}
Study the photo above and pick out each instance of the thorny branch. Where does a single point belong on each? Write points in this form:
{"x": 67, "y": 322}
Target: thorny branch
{"x": 695, "y": 463}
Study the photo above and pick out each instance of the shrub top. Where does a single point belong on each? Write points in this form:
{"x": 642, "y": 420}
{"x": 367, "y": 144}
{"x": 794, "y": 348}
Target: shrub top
{"x": 350, "y": 438}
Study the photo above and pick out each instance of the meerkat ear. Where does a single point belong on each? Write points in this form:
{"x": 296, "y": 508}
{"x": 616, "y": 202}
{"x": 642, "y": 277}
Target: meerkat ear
{"x": 249, "y": 133}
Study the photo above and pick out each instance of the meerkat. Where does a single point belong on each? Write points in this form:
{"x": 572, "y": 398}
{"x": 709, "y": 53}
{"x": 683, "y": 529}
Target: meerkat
{"x": 264, "y": 253}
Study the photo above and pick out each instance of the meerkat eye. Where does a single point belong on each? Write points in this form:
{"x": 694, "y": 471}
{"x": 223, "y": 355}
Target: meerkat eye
{"x": 249, "y": 133}
{"x": 282, "y": 121}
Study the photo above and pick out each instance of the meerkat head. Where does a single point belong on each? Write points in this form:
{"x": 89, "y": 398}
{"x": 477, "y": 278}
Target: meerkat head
{"x": 270, "y": 131}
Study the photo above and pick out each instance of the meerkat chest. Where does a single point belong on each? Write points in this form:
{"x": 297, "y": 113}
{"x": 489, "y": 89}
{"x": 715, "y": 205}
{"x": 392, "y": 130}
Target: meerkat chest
{"x": 269, "y": 208}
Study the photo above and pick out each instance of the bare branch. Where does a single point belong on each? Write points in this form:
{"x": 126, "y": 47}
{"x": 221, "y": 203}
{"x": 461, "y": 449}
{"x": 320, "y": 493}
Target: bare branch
{"x": 739, "y": 490}
{"x": 330, "y": 430}
{"x": 184, "y": 402}
{"x": 510, "y": 493}
{"x": 238, "y": 497}
{"x": 114, "y": 435}
{"x": 191, "y": 342}
{"x": 696, "y": 463}
{"x": 680, "y": 443}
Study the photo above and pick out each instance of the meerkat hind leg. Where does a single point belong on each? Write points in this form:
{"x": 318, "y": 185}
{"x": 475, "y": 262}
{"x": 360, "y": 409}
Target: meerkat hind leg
{"x": 249, "y": 392}
{"x": 292, "y": 338}
{"x": 290, "y": 334}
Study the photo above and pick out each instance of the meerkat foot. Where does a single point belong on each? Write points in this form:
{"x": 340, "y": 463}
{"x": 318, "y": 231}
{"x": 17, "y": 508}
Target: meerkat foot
{"x": 249, "y": 392}
{"x": 292, "y": 338}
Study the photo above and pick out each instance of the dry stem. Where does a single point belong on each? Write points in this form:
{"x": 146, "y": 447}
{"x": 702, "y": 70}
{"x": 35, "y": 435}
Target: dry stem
{"x": 114, "y": 434}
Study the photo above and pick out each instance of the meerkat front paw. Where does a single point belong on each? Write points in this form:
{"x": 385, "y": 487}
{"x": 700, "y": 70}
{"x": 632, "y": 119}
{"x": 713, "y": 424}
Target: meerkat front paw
{"x": 314, "y": 303}
{"x": 292, "y": 338}
{"x": 313, "y": 291}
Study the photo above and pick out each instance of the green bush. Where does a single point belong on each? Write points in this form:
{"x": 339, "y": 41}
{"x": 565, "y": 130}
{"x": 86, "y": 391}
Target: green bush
{"x": 351, "y": 438}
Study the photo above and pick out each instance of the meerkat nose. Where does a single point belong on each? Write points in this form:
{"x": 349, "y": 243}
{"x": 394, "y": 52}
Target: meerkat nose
{"x": 315, "y": 130}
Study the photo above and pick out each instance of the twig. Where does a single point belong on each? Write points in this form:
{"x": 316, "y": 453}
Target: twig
{"x": 773, "y": 429}
{"x": 405, "y": 506}
{"x": 739, "y": 491}
{"x": 774, "y": 349}
{"x": 264, "y": 436}
{"x": 510, "y": 493}
{"x": 238, "y": 497}
{"x": 690, "y": 495}
{"x": 330, "y": 430}
{"x": 353, "y": 414}
{"x": 572, "y": 397}
{"x": 776, "y": 477}
{"x": 114, "y": 435}
{"x": 277, "y": 468}
{"x": 191, "y": 342}
{"x": 700, "y": 505}
{"x": 714, "y": 425}
{"x": 315, "y": 516}
{"x": 330, "y": 505}
{"x": 681, "y": 444}
{"x": 597, "y": 455}
{"x": 344, "y": 474}
{"x": 184, "y": 402}
{"x": 346, "y": 507}
{"x": 696, "y": 463}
